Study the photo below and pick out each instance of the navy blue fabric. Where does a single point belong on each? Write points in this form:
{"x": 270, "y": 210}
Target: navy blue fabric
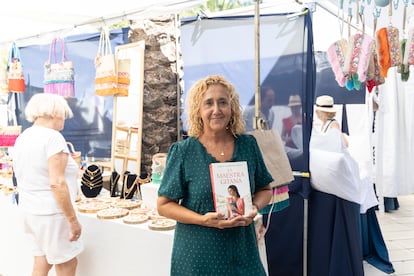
{"x": 284, "y": 239}
{"x": 391, "y": 204}
{"x": 335, "y": 246}
{"x": 308, "y": 96}
{"x": 344, "y": 123}
{"x": 374, "y": 249}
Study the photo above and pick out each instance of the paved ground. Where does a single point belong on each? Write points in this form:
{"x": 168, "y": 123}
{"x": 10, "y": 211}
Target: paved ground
{"x": 398, "y": 231}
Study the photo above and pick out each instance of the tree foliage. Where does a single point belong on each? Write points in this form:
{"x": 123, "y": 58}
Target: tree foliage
{"x": 215, "y": 6}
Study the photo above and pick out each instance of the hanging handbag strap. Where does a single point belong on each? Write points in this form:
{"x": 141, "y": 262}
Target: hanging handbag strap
{"x": 52, "y": 50}
{"x": 13, "y": 116}
{"x": 104, "y": 47}
{"x": 14, "y": 129}
{"x": 14, "y": 54}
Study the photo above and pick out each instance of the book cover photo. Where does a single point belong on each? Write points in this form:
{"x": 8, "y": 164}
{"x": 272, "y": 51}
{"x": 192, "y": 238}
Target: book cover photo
{"x": 231, "y": 188}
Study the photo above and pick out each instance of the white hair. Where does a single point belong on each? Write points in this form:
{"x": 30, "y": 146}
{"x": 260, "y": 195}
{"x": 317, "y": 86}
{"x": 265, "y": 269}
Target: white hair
{"x": 47, "y": 105}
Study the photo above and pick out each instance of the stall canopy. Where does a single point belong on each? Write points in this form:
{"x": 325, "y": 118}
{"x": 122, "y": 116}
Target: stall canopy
{"x": 37, "y": 22}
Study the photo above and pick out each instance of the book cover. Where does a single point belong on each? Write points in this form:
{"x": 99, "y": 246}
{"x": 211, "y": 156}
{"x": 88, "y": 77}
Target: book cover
{"x": 231, "y": 188}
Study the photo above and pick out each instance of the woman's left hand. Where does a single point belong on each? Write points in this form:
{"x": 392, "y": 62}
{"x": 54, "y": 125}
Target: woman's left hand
{"x": 253, "y": 212}
{"x": 236, "y": 221}
{"x": 244, "y": 220}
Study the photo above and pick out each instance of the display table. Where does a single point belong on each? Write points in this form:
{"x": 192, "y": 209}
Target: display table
{"x": 111, "y": 246}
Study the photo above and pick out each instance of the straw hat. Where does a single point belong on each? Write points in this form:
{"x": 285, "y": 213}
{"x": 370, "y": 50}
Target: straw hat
{"x": 294, "y": 100}
{"x": 325, "y": 103}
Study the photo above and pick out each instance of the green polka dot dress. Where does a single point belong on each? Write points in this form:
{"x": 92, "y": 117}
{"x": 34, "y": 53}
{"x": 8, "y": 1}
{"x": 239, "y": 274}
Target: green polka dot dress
{"x": 199, "y": 250}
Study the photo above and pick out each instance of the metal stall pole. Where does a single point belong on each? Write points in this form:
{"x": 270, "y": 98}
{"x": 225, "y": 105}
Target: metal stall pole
{"x": 257, "y": 122}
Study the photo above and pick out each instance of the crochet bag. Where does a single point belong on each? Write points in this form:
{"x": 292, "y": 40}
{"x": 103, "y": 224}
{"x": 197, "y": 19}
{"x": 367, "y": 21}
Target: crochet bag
{"x": 9, "y": 134}
{"x": 59, "y": 76}
{"x": 374, "y": 76}
{"x": 389, "y": 51}
{"x": 408, "y": 54}
{"x": 357, "y": 60}
{"x": 106, "y": 77}
{"x": 336, "y": 57}
{"x": 15, "y": 76}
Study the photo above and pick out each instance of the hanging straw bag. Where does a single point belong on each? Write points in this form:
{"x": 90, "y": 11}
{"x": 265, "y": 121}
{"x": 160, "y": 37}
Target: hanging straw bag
{"x": 59, "y": 76}
{"x": 15, "y": 76}
{"x": 124, "y": 79}
{"x": 3, "y": 71}
{"x": 9, "y": 134}
{"x": 274, "y": 155}
{"x": 106, "y": 77}
{"x": 76, "y": 155}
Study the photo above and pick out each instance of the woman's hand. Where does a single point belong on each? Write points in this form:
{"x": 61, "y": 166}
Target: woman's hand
{"x": 253, "y": 212}
{"x": 75, "y": 228}
{"x": 217, "y": 220}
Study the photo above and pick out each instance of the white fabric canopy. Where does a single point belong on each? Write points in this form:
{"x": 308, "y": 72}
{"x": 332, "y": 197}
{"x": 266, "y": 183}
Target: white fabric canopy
{"x": 36, "y": 22}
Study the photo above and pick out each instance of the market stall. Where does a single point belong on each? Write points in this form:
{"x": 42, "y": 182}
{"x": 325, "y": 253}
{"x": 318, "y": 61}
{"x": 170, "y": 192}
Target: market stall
{"x": 112, "y": 247}
{"x": 107, "y": 242}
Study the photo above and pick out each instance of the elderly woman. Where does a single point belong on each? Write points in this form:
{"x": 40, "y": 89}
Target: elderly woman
{"x": 46, "y": 177}
{"x": 205, "y": 243}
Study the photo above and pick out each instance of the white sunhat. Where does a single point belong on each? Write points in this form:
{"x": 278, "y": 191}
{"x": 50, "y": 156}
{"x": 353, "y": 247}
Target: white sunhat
{"x": 325, "y": 103}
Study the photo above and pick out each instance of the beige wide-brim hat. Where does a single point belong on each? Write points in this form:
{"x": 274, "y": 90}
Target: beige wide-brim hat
{"x": 325, "y": 103}
{"x": 294, "y": 100}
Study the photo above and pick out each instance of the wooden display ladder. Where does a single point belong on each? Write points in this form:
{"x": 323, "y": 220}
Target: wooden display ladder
{"x": 126, "y": 154}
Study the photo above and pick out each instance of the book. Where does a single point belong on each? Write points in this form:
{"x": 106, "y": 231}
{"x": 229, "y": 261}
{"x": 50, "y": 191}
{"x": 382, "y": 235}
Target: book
{"x": 231, "y": 188}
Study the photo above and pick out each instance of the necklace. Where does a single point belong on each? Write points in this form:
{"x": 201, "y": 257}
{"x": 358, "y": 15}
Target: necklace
{"x": 92, "y": 185}
{"x": 92, "y": 174}
{"x": 213, "y": 147}
{"x": 128, "y": 192}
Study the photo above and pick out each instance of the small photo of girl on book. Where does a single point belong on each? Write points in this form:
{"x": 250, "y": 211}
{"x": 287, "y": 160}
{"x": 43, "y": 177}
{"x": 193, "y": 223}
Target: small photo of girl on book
{"x": 235, "y": 203}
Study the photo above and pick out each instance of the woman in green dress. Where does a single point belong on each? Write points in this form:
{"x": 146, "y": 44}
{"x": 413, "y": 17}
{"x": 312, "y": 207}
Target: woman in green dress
{"x": 205, "y": 243}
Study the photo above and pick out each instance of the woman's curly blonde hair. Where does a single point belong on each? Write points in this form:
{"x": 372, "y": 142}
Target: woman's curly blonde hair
{"x": 195, "y": 123}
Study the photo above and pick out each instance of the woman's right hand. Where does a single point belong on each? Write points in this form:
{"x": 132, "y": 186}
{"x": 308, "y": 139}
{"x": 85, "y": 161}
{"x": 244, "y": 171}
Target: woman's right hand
{"x": 76, "y": 229}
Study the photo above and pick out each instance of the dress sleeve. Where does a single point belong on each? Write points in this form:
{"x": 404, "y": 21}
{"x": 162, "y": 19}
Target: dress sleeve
{"x": 172, "y": 184}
